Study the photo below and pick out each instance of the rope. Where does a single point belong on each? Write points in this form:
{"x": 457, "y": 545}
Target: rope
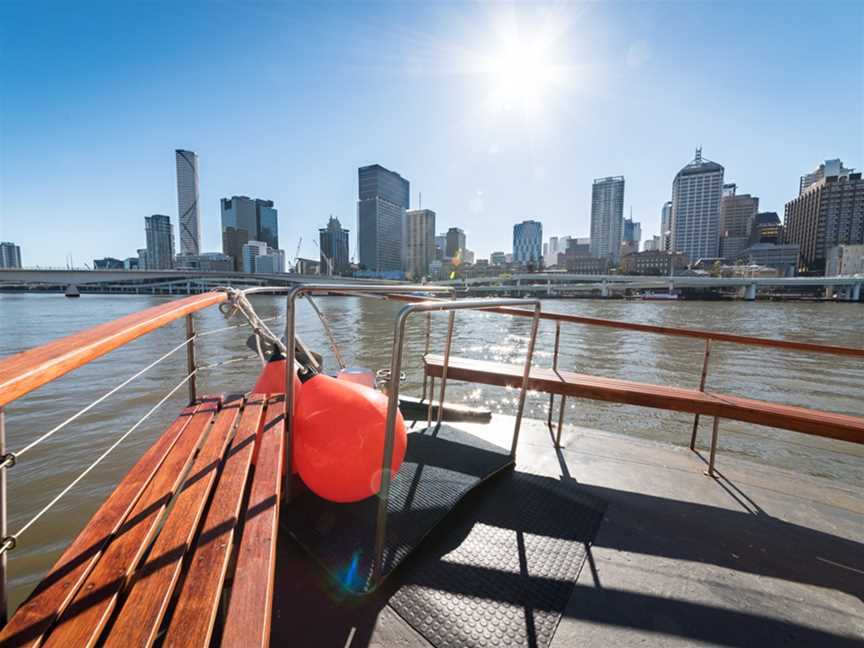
{"x": 9, "y": 542}
{"x": 234, "y": 326}
{"x": 227, "y": 362}
{"x": 327, "y": 330}
{"x": 11, "y": 458}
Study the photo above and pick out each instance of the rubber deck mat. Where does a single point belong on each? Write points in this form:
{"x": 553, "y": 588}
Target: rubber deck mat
{"x": 502, "y": 569}
{"x": 439, "y": 469}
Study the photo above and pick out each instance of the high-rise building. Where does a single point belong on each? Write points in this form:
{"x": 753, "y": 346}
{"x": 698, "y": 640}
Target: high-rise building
{"x": 455, "y": 242}
{"x": 632, "y": 231}
{"x": 107, "y": 263}
{"x": 188, "y": 214}
{"x": 383, "y": 198}
{"x": 251, "y": 250}
{"x": 528, "y": 242}
{"x": 271, "y": 263}
{"x": 607, "y": 216}
{"x": 497, "y": 258}
{"x": 845, "y": 260}
{"x": 419, "y": 250}
{"x": 10, "y": 255}
{"x": 244, "y": 220}
{"x": 440, "y": 245}
{"x": 333, "y": 241}
{"x": 666, "y": 226}
{"x": 829, "y": 212}
{"x": 766, "y": 229}
{"x": 696, "y": 193}
{"x": 557, "y": 245}
{"x": 737, "y": 213}
{"x": 160, "y": 242}
{"x": 824, "y": 170}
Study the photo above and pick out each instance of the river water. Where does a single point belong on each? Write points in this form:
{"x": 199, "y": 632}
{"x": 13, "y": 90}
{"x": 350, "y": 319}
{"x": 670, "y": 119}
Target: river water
{"x": 364, "y": 328}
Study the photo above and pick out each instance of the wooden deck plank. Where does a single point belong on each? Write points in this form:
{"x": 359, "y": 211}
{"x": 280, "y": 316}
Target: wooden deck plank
{"x": 799, "y": 419}
{"x": 28, "y": 370}
{"x": 85, "y": 617}
{"x": 248, "y": 620}
{"x": 137, "y": 623}
{"x": 194, "y": 613}
{"x": 37, "y": 614}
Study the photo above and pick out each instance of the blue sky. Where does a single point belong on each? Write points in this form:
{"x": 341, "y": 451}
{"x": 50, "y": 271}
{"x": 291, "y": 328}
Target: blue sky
{"x": 495, "y": 112}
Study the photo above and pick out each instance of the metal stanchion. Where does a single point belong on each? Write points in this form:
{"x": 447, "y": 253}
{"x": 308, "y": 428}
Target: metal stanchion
{"x": 701, "y": 389}
{"x": 190, "y": 358}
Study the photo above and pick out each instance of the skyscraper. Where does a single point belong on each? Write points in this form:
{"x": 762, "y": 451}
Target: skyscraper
{"x": 666, "y": 226}
{"x": 528, "y": 242}
{"x": 188, "y": 214}
{"x": 824, "y": 170}
{"x": 419, "y": 242}
{"x": 333, "y": 241}
{"x": 383, "y": 198}
{"x": 455, "y": 242}
{"x": 244, "y": 220}
{"x": 696, "y": 193}
{"x": 607, "y": 215}
{"x": 10, "y": 255}
{"x": 160, "y": 242}
{"x": 737, "y": 212}
{"x": 830, "y": 212}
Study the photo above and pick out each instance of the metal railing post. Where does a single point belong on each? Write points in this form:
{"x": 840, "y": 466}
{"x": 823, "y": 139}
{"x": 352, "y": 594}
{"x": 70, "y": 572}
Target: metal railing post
{"x": 529, "y": 355}
{"x": 288, "y": 426}
{"x": 3, "y": 528}
{"x": 715, "y": 433}
{"x": 450, "y": 321}
{"x": 701, "y": 389}
{"x": 425, "y": 353}
{"x": 190, "y": 358}
{"x": 554, "y": 368}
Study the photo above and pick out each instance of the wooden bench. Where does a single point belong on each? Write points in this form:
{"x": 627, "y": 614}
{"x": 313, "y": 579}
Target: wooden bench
{"x": 156, "y": 559}
{"x": 566, "y": 383}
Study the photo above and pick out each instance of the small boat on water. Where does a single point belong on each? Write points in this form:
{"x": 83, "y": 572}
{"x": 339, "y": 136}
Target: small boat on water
{"x": 72, "y": 291}
{"x": 652, "y": 296}
{"x": 305, "y": 512}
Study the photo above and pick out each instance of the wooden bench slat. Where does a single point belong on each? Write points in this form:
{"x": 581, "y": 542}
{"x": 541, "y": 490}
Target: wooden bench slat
{"x": 790, "y": 417}
{"x": 249, "y": 611}
{"x": 38, "y": 613}
{"x": 200, "y": 589}
{"x": 85, "y": 617}
{"x": 137, "y": 623}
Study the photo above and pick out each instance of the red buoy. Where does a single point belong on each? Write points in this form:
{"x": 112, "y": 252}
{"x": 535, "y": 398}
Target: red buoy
{"x": 339, "y": 430}
{"x": 272, "y": 381}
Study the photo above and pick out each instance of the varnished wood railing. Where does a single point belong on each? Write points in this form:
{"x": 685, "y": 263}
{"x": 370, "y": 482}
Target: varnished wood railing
{"x": 29, "y": 370}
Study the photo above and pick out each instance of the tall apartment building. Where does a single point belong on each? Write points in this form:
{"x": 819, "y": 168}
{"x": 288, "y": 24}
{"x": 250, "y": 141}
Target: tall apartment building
{"x": 383, "y": 198}
{"x": 419, "y": 243}
{"x": 245, "y": 219}
{"x": 696, "y": 194}
{"x": 189, "y": 217}
{"x": 607, "y": 216}
{"x": 829, "y": 212}
{"x": 528, "y": 242}
{"x": 824, "y": 170}
{"x": 666, "y": 226}
{"x": 333, "y": 241}
{"x": 160, "y": 242}
{"x": 10, "y": 255}
{"x": 454, "y": 242}
{"x": 737, "y": 214}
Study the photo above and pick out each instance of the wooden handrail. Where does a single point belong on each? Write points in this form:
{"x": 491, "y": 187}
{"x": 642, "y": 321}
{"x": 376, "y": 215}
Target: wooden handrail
{"x": 28, "y": 370}
{"x": 714, "y": 336}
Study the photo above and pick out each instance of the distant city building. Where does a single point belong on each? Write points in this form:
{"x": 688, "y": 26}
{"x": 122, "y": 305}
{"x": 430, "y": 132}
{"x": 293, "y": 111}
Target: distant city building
{"x": 845, "y": 260}
{"x": 205, "y": 262}
{"x": 271, "y": 263}
{"x": 766, "y": 229}
{"x": 131, "y": 263}
{"x": 497, "y": 258}
{"x": 508, "y": 258}
{"x": 737, "y": 213}
{"x": 528, "y": 242}
{"x": 251, "y": 250}
{"x": 440, "y": 245}
{"x": 333, "y": 241}
{"x": 782, "y": 258}
{"x": 652, "y": 263}
{"x": 666, "y": 226}
{"x": 654, "y": 243}
{"x": 10, "y": 255}
{"x": 107, "y": 263}
{"x": 576, "y": 249}
{"x": 696, "y": 194}
{"x": 632, "y": 232}
{"x": 830, "y": 212}
{"x": 187, "y": 202}
{"x": 587, "y": 265}
{"x": 160, "y": 242}
{"x": 557, "y": 245}
{"x": 607, "y": 216}
{"x": 419, "y": 243}
{"x": 828, "y": 168}
{"x": 383, "y": 199}
{"x": 455, "y": 241}
{"x": 308, "y": 267}
{"x": 244, "y": 220}
{"x": 467, "y": 256}
{"x": 142, "y": 258}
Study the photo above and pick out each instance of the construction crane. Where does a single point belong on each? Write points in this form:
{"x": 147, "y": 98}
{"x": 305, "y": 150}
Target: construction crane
{"x": 297, "y": 254}
{"x": 326, "y": 258}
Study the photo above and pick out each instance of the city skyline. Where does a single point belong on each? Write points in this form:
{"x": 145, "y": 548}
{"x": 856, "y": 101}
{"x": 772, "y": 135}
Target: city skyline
{"x": 480, "y": 168}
